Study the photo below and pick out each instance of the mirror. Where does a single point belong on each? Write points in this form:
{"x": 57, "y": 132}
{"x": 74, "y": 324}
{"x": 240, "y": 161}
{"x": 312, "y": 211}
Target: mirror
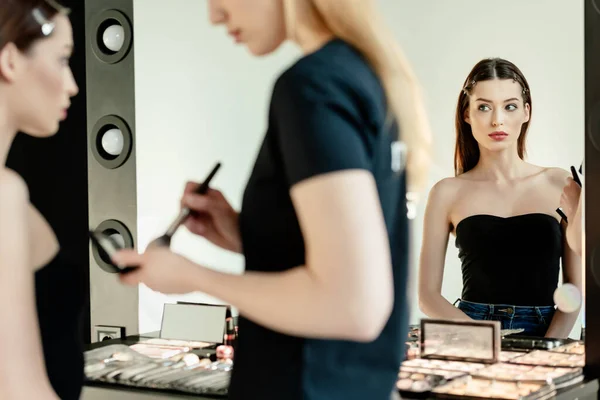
{"x": 200, "y": 99}
{"x": 445, "y": 46}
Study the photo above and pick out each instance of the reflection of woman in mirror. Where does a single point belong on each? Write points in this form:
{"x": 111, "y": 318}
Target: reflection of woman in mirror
{"x": 323, "y": 225}
{"x": 41, "y": 303}
{"x": 502, "y": 211}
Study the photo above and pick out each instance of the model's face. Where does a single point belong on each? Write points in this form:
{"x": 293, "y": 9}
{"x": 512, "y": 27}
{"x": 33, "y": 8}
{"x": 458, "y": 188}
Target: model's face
{"x": 40, "y": 81}
{"x": 258, "y": 24}
{"x": 497, "y": 113}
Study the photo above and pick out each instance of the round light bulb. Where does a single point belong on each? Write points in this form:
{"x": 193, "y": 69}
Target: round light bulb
{"x": 113, "y": 37}
{"x": 112, "y": 141}
{"x": 567, "y": 298}
{"x": 118, "y": 239}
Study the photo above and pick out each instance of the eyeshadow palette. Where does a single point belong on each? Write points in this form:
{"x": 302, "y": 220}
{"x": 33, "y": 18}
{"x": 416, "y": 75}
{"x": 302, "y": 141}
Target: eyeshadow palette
{"x": 514, "y": 372}
{"x": 417, "y": 382}
{"x": 459, "y": 366}
{"x": 481, "y": 388}
{"x": 509, "y": 355}
{"x": 470, "y": 341}
{"x": 446, "y": 374}
{"x": 571, "y": 348}
{"x": 551, "y": 359}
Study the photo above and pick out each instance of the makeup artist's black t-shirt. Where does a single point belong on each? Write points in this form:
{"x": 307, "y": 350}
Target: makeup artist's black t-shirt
{"x": 327, "y": 114}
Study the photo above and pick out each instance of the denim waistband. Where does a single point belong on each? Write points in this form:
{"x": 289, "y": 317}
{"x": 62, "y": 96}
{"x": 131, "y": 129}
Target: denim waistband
{"x": 504, "y": 309}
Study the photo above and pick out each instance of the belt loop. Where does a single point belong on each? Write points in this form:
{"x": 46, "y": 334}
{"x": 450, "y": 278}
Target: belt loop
{"x": 539, "y": 314}
{"x": 491, "y": 310}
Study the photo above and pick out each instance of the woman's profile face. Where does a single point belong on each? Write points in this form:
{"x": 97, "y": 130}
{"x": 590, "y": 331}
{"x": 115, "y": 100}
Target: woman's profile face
{"x": 497, "y": 113}
{"x": 257, "y": 24}
{"x": 39, "y": 81}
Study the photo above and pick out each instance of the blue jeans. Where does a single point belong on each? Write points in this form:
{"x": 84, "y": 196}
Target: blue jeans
{"x": 534, "y": 320}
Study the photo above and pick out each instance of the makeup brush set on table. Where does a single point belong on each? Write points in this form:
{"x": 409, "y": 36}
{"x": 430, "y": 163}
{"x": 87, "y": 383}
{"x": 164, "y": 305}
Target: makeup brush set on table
{"x": 476, "y": 360}
{"x": 165, "y": 365}
{"x": 198, "y": 363}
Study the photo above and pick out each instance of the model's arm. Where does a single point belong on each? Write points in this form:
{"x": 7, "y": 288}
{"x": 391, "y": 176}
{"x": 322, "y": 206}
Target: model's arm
{"x": 22, "y": 370}
{"x": 562, "y": 323}
{"x": 436, "y": 229}
{"x": 345, "y": 290}
{"x": 575, "y": 228}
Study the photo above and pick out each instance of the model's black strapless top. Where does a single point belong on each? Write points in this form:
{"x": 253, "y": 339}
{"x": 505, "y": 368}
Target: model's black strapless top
{"x": 60, "y": 298}
{"x": 514, "y": 260}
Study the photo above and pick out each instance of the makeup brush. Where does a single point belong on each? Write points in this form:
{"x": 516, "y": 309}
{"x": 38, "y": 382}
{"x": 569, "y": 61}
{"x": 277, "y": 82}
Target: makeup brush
{"x": 575, "y": 176}
{"x": 165, "y": 240}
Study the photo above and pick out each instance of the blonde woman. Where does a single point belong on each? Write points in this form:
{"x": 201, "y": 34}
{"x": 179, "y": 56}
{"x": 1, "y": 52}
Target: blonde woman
{"x": 323, "y": 226}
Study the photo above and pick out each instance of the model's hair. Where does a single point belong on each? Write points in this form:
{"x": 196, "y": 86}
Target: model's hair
{"x": 466, "y": 152}
{"x": 360, "y": 24}
{"x": 22, "y": 21}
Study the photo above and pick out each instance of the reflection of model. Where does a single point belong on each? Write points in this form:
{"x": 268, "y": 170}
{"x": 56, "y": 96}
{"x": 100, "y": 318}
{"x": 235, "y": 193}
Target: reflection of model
{"x": 323, "y": 225}
{"x": 502, "y": 211}
{"x": 35, "y": 86}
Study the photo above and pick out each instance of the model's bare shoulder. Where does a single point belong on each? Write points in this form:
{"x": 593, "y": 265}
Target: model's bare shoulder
{"x": 12, "y": 185}
{"x": 557, "y": 177}
{"x": 446, "y": 190}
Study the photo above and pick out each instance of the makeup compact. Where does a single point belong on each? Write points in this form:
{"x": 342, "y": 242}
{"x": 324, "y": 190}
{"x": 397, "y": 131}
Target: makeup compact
{"x": 482, "y": 388}
{"x": 551, "y": 359}
{"x": 470, "y": 341}
{"x": 107, "y": 247}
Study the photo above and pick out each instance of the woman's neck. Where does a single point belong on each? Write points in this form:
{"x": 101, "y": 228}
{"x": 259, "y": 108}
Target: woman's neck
{"x": 311, "y": 41}
{"x": 500, "y": 166}
{"x": 308, "y": 30}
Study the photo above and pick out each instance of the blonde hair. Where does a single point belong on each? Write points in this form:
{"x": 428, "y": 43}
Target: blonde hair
{"x": 359, "y": 23}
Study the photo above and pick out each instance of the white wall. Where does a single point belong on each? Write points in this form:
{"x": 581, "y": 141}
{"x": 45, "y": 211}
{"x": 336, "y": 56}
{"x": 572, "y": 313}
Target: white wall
{"x": 200, "y": 99}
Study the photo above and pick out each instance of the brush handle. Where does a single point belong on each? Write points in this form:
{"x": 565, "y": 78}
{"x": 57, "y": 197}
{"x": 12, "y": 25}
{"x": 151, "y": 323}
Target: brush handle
{"x": 185, "y": 212}
{"x": 575, "y": 176}
{"x": 562, "y": 215}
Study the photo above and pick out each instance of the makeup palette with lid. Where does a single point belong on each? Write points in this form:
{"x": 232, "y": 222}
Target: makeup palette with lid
{"x": 482, "y": 388}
